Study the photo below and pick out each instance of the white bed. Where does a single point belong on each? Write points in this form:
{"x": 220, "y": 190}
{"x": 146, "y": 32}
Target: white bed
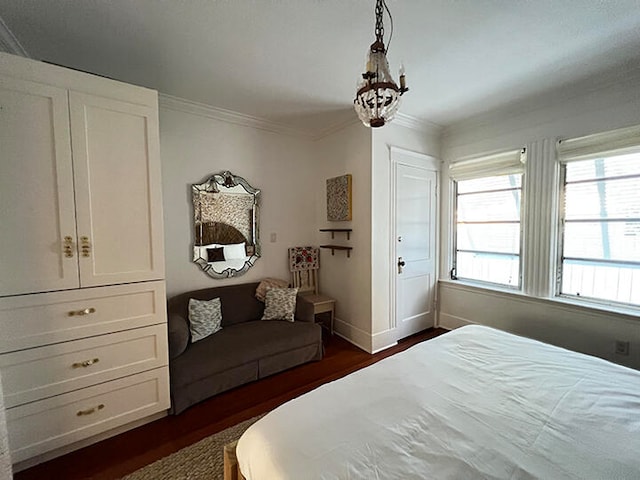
{"x": 473, "y": 403}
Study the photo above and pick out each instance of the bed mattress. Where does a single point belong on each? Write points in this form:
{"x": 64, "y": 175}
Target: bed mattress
{"x": 473, "y": 403}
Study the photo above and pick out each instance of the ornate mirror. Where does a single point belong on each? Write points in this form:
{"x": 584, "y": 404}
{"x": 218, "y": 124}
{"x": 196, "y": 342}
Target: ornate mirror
{"x": 226, "y": 225}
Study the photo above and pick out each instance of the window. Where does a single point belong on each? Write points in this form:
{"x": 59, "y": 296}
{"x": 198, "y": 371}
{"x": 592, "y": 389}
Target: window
{"x": 600, "y": 233}
{"x": 599, "y": 237}
{"x": 487, "y": 235}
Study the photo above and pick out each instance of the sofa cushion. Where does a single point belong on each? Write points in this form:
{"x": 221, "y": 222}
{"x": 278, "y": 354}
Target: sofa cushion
{"x": 240, "y": 344}
{"x": 280, "y": 304}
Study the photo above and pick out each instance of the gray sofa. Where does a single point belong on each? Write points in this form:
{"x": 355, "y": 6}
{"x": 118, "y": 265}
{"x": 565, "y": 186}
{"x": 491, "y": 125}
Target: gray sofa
{"x": 246, "y": 348}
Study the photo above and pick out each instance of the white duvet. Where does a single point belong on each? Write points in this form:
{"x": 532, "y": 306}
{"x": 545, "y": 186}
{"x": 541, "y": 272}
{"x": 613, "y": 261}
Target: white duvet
{"x": 473, "y": 403}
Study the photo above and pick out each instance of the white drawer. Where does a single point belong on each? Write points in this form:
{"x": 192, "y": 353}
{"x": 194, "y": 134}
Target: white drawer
{"x": 38, "y": 427}
{"x": 38, "y": 373}
{"x": 34, "y": 320}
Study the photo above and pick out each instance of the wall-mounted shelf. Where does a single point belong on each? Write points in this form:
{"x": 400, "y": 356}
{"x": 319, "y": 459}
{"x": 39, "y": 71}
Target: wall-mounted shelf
{"x": 338, "y": 247}
{"x": 339, "y": 230}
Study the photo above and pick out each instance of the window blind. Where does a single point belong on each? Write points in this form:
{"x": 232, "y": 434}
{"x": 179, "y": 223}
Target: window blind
{"x": 505, "y": 163}
{"x": 606, "y": 144}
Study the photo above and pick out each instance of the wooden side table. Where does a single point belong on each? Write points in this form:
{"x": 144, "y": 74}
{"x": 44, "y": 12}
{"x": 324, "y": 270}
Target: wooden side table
{"x": 321, "y": 304}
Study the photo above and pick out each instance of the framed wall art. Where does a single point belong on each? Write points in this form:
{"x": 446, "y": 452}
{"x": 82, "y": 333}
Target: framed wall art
{"x": 339, "y": 199}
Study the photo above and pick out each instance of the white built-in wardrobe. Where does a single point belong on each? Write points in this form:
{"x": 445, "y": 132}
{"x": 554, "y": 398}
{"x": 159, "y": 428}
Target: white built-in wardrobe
{"x": 83, "y": 342}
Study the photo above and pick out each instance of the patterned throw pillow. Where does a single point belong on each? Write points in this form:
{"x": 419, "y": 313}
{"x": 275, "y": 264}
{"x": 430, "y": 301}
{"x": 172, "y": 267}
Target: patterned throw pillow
{"x": 205, "y": 318}
{"x": 268, "y": 283}
{"x": 280, "y": 304}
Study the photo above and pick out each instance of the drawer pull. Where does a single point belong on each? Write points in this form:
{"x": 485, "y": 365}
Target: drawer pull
{"x": 86, "y": 311}
{"x": 86, "y": 363}
{"x": 86, "y": 246}
{"x": 68, "y": 247}
{"x": 89, "y": 411}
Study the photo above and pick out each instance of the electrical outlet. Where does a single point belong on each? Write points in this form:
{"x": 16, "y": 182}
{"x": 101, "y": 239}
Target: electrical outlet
{"x": 622, "y": 347}
{"x": 273, "y": 238}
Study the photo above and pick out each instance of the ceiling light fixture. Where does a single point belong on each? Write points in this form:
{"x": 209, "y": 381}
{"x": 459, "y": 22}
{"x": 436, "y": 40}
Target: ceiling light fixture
{"x": 378, "y": 96}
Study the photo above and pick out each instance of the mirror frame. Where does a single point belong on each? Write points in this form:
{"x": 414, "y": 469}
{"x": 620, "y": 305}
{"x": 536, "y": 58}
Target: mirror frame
{"x": 211, "y": 185}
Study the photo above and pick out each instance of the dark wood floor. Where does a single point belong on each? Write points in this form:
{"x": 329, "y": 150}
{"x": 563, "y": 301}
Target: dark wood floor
{"x": 120, "y": 455}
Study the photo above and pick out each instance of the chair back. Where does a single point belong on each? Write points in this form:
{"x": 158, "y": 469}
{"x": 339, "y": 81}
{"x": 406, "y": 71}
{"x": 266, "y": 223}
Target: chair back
{"x": 304, "y": 263}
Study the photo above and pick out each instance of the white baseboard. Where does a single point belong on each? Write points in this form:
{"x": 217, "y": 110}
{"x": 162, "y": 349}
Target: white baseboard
{"x": 383, "y": 340}
{"x": 351, "y": 334}
{"x": 451, "y": 322}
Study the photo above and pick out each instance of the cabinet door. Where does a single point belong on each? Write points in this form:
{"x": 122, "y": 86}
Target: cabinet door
{"x": 118, "y": 200}
{"x": 36, "y": 189}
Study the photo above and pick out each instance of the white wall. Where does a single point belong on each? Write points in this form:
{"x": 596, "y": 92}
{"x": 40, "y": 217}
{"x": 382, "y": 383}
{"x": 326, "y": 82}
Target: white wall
{"x": 292, "y": 173}
{"x": 347, "y": 279}
{"x": 360, "y": 284}
{"x": 610, "y": 103}
{"x": 194, "y": 147}
{"x": 426, "y": 141}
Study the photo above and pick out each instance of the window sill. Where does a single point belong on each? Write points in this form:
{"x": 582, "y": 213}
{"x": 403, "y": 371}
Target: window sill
{"x": 630, "y": 313}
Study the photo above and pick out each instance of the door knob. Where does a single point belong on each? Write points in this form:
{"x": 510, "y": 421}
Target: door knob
{"x": 401, "y": 263}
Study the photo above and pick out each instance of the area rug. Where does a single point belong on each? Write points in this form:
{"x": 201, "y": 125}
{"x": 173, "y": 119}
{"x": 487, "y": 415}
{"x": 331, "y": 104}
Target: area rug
{"x": 202, "y": 460}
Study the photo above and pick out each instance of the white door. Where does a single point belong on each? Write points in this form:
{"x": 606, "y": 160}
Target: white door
{"x": 415, "y": 248}
{"x": 118, "y": 200}
{"x": 37, "y": 217}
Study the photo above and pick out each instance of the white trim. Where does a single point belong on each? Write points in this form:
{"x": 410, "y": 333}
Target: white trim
{"x": 512, "y": 113}
{"x": 351, "y": 334}
{"x": 337, "y": 127}
{"x": 177, "y": 104}
{"x": 383, "y": 340}
{"x": 424, "y": 162}
{"x": 569, "y": 306}
{"x": 9, "y": 42}
{"x": 451, "y": 322}
{"x": 419, "y": 124}
{"x": 427, "y": 162}
{"x": 393, "y": 167}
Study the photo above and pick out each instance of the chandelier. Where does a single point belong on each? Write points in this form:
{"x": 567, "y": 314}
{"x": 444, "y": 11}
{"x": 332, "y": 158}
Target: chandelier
{"x": 378, "y": 96}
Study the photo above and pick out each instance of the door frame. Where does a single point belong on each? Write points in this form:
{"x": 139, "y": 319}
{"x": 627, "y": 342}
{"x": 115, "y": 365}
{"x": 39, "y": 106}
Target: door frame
{"x": 401, "y": 156}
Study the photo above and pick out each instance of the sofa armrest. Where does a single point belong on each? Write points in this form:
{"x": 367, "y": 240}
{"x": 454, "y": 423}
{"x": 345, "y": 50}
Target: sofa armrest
{"x": 178, "y": 334}
{"x": 304, "y": 310}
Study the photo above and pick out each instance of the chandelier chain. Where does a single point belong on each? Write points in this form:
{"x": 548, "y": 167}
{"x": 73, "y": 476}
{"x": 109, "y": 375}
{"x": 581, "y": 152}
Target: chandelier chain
{"x": 379, "y": 25}
{"x": 381, "y": 6}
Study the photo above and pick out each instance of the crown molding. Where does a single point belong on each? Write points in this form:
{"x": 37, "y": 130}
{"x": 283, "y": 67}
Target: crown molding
{"x": 169, "y": 102}
{"x": 337, "y": 127}
{"x": 9, "y": 43}
{"x": 544, "y": 100}
{"x": 178, "y": 104}
{"x": 419, "y": 124}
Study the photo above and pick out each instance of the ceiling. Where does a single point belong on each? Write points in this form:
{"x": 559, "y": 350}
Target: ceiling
{"x": 296, "y": 62}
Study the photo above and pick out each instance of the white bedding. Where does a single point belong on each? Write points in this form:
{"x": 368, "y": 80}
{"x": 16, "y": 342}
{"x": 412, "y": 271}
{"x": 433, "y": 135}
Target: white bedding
{"x": 473, "y": 403}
